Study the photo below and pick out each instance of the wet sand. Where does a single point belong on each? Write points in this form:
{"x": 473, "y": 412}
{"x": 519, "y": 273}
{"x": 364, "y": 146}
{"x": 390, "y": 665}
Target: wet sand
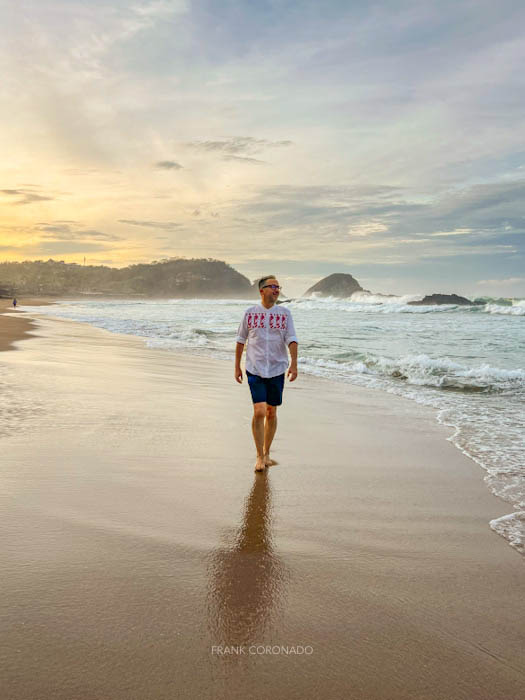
{"x": 137, "y": 540}
{"x": 17, "y": 325}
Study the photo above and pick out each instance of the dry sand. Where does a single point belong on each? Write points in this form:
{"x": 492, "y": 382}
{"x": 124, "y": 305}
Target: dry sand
{"x": 136, "y": 538}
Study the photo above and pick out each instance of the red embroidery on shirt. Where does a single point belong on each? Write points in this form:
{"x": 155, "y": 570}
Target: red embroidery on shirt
{"x": 275, "y": 321}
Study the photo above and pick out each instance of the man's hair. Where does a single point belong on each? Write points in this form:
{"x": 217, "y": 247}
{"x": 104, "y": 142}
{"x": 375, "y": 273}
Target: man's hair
{"x": 265, "y": 279}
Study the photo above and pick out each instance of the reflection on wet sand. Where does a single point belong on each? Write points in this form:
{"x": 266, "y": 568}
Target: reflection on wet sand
{"x": 246, "y": 578}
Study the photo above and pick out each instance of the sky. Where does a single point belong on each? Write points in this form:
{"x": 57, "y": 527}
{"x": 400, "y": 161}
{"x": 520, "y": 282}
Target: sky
{"x": 382, "y": 139}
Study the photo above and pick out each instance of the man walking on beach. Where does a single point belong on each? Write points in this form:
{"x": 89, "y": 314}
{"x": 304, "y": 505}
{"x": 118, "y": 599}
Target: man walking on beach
{"x": 269, "y": 330}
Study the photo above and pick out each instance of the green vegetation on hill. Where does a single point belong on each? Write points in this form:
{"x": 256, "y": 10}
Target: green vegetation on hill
{"x": 175, "y": 277}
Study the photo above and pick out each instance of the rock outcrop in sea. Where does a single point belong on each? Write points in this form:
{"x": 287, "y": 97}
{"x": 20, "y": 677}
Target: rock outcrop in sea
{"x": 338, "y": 284}
{"x": 432, "y": 299}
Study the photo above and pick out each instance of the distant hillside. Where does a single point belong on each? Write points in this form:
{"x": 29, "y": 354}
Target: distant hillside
{"x": 337, "y": 285}
{"x": 176, "y": 277}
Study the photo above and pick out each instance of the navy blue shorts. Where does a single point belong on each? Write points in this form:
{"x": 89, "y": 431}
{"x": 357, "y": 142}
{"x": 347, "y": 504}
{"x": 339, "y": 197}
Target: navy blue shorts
{"x": 269, "y": 389}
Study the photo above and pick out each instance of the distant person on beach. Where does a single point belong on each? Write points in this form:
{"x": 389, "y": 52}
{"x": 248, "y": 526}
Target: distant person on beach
{"x": 269, "y": 330}
{"x": 14, "y": 302}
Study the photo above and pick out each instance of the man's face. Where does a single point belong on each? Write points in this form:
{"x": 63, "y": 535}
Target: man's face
{"x": 267, "y": 293}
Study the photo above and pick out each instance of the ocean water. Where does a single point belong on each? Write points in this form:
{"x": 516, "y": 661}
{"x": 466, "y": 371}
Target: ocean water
{"x": 466, "y": 362}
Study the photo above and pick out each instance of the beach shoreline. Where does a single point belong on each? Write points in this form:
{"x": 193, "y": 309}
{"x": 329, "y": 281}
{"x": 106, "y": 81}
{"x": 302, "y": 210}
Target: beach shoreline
{"x": 17, "y": 325}
{"x": 368, "y": 541}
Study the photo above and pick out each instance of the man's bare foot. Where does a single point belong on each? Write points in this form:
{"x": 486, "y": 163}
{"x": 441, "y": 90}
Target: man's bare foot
{"x": 259, "y": 464}
{"x": 268, "y": 461}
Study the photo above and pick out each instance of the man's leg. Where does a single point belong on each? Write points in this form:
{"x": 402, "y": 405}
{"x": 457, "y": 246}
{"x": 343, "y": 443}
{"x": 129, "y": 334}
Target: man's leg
{"x": 270, "y": 426}
{"x": 259, "y": 412}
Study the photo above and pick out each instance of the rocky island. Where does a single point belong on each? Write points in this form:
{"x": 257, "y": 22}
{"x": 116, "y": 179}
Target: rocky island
{"x": 432, "y": 299}
{"x": 336, "y": 285}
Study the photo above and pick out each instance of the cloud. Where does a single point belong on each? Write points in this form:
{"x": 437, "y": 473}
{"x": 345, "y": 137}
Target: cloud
{"x": 236, "y": 146}
{"x": 169, "y": 165}
{"x": 26, "y": 196}
{"x": 320, "y": 206}
{"x": 243, "y": 159}
{"x": 64, "y": 232}
{"x": 58, "y": 222}
{"x": 491, "y": 209}
{"x": 510, "y": 281}
{"x": 389, "y": 224}
{"x": 165, "y": 225}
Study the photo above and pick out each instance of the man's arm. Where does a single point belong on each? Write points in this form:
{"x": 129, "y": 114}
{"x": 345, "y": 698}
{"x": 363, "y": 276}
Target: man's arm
{"x": 242, "y": 335}
{"x": 238, "y": 354}
{"x": 292, "y": 369}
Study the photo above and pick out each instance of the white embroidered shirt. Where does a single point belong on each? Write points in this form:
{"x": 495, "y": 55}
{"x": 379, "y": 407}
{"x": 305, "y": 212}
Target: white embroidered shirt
{"x": 269, "y": 332}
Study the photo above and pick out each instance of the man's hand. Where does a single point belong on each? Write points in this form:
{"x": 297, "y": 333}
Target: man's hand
{"x": 238, "y": 374}
{"x": 292, "y": 369}
{"x": 292, "y": 372}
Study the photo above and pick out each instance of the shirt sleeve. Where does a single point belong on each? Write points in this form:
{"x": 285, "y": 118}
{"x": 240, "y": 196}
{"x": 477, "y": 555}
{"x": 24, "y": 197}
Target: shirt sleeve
{"x": 242, "y": 330}
{"x": 290, "y": 336}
